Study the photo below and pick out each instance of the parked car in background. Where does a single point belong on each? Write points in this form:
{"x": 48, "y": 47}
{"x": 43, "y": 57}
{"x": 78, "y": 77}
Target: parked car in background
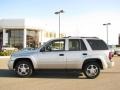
{"x": 28, "y": 49}
{"x": 112, "y": 49}
{"x": 117, "y": 51}
{"x": 4, "y": 48}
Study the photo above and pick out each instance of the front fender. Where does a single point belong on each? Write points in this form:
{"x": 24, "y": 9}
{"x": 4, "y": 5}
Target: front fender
{"x": 31, "y": 58}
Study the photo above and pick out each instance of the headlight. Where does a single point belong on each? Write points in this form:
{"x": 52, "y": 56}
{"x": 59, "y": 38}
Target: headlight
{"x": 12, "y": 58}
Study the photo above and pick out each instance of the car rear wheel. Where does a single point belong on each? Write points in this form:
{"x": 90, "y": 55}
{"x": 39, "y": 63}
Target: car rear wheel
{"x": 91, "y": 70}
{"x": 23, "y": 69}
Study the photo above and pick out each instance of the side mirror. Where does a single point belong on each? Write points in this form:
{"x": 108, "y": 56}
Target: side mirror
{"x": 45, "y": 49}
{"x": 42, "y": 49}
{"x": 48, "y": 48}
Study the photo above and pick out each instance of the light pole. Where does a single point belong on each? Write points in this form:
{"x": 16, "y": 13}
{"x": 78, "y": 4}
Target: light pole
{"x": 58, "y": 12}
{"x": 106, "y": 24}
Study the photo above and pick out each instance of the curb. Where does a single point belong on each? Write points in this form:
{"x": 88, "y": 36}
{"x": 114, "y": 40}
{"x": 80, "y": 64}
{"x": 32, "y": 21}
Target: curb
{"x": 4, "y": 57}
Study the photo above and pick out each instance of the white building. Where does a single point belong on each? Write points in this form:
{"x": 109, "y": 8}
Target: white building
{"x": 20, "y": 33}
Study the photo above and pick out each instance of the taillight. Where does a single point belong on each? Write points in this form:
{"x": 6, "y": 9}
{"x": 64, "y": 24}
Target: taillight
{"x": 110, "y": 55}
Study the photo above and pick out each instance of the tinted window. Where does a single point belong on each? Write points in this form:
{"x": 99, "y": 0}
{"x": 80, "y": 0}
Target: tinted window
{"x": 97, "y": 44}
{"x": 82, "y": 45}
{"x": 76, "y": 45}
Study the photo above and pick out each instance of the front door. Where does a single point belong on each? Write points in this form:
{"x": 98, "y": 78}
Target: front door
{"x": 53, "y": 55}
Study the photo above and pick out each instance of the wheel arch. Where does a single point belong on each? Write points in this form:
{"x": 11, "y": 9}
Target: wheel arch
{"x": 96, "y": 60}
{"x": 23, "y": 59}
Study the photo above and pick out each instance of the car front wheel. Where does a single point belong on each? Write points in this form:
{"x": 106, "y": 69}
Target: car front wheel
{"x": 23, "y": 69}
{"x": 91, "y": 70}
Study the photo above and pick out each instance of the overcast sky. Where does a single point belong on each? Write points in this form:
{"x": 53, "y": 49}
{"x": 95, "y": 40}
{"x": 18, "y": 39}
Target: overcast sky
{"x": 81, "y": 17}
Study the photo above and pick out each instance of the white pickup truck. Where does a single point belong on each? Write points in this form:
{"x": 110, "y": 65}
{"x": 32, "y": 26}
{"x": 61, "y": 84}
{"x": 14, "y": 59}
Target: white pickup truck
{"x": 86, "y": 54}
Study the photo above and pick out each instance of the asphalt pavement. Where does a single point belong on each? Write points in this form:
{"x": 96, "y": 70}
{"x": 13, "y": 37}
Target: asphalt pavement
{"x": 108, "y": 80}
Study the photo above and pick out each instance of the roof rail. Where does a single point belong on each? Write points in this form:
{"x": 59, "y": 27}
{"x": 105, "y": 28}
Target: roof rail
{"x": 89, "y": 37}
{"x": 67, "y": 37}
{"x": 80, "y": 37}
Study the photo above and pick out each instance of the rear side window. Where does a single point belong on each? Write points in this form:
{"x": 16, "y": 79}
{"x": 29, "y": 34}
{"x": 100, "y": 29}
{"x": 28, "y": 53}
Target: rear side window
{"x": 82, "y": 45}
{"x": 76, "y": 45}
{"x": 97, "y": 44}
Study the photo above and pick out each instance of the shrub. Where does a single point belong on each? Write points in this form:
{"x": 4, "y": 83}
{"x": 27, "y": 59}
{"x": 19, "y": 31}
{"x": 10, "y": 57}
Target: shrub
{"x": 6, "y": 52}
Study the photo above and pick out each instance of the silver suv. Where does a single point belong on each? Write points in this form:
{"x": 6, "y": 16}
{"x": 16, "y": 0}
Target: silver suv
{"x": 86, "y": 54}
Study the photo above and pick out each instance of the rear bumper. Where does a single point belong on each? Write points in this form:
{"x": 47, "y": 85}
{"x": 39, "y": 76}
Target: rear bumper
{"x": 108, "y": 65}
{"x": 111, "y": 64}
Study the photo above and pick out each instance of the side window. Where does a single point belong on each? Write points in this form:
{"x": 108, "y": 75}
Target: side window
{"x": 82, "y": 45}
{"x": 76, "y": 45}
{"x": 56, "y": 45}
{"x": 97, "y": 44}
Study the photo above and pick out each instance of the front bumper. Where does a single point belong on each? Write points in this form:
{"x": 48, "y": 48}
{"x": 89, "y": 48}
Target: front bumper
{"x": 10, "y": 64}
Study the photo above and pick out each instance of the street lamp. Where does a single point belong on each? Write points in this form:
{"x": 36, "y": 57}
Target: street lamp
{"x": 58, "y": 12}
{"x": 106, "y": 24}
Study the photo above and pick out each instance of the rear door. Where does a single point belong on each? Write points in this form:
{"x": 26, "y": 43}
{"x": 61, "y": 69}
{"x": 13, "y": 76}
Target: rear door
{"x": 75, "y": 54}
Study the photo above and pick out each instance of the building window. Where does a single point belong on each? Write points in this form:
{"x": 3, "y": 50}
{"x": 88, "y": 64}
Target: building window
{"x": 15, "y": 38}
{"x": 32, "y": 38}
{"x": 54, "y": 35}
{"x": 51, "y": 35}
{"x": 119, "y": 39}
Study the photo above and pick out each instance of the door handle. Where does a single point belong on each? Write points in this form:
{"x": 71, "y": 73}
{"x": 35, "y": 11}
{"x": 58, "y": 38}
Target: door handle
{"x": 61, "y": 54}
{"x": 84, "y": 53}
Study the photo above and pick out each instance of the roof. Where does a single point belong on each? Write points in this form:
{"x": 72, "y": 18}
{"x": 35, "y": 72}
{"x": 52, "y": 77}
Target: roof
{"x": 81, "y": 37}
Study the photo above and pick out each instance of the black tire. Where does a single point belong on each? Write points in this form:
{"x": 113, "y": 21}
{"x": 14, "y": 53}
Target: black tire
{"x": 23, "y": 69}
{"x": 91, "y": 70}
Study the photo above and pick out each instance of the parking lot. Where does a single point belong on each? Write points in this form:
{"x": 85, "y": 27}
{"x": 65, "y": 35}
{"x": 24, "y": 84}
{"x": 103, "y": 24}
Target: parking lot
{"x": 108, "y": 80}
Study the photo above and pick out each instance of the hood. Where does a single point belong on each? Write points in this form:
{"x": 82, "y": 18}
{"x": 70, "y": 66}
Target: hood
{"x": 25, "y": 52}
